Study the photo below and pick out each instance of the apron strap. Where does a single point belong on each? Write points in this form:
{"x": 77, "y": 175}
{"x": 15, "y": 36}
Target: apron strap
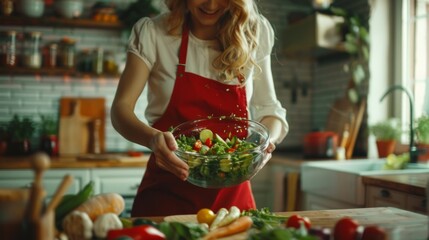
{"x": 183, "y": 51}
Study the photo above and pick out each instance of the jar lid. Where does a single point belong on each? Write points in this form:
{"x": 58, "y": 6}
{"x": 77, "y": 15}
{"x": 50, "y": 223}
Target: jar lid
{"x": 67, "y": 40}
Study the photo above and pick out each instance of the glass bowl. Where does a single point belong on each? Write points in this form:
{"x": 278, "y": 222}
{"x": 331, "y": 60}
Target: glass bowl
{"x": 235, "y": 152}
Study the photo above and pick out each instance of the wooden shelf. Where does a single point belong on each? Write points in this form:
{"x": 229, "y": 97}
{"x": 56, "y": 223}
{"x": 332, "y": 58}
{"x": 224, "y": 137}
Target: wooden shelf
{"x": 52, "y": 72}
{"x": 58, "y": 22}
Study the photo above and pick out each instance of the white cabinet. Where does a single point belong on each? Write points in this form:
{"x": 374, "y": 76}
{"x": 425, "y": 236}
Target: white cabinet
{"x": 124, "y": 181}
{"x": 315, "y": 202}
{"x": 51, "y": 179}
{"x": 385, "y": 197}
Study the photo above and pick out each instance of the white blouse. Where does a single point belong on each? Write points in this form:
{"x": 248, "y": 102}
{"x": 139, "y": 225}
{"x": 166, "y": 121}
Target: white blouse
{"x": 150, "y": 41}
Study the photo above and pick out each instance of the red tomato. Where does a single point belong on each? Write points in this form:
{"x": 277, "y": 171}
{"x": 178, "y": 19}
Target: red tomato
{"x": 141, "y": 232}
{"x": 346, "y": 229}
{"x": 374, "y": 233}
{"x": 295, "y": 220}
{"x": 208, "y": 142}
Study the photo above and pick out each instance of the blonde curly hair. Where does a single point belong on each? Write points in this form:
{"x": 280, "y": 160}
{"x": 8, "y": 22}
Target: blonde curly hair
{"x": 238, "y": 34}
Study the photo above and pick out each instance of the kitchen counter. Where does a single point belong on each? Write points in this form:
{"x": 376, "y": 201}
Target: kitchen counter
{"x": 409, "y": 183}
{"x": 87, "y": 161}
{"x": 405, "y": 224}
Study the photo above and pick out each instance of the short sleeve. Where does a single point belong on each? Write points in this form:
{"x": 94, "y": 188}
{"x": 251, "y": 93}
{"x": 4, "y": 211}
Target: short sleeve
{"x": 142, "y": 41}
{"x": 266, "y": 39}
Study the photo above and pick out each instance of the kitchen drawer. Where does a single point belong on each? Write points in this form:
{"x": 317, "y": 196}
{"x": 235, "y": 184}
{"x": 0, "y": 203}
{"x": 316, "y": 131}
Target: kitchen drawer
{"x": 382, "y": 197}
{"x": 124, "y": 181}
{"x": 417, "y": 204}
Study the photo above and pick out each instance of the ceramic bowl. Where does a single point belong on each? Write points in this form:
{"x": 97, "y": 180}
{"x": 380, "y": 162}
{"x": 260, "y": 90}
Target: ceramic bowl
{"x": 31, "y": 8}
{"x": 69, "y": 8}
{"x": 234, "y": 164}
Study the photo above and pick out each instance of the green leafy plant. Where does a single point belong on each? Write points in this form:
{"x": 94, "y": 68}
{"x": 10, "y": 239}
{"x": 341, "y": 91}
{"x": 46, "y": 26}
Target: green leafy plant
{"x": 386, "y": 130}
{"x": 20, "y": 128}
{"x": 357, "y": 45}
{"x": 137, "y": 10}
{"x": 422, "y": 129}
{"x": 48, "y": 125}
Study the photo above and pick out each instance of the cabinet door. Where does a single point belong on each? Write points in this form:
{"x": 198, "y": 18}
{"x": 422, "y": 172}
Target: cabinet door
{"x": 382, "y": 197}
{"x": 51, "y": 179}
{"x": 417, "y": 204}
{"x": 124, "y": 181}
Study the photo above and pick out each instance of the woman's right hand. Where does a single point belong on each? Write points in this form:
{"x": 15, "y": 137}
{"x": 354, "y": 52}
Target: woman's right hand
{"x": 163, "y": 144}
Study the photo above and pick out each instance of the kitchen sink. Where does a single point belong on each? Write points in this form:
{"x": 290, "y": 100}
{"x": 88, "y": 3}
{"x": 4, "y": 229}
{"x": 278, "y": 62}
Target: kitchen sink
{"x": 342, "y": 180}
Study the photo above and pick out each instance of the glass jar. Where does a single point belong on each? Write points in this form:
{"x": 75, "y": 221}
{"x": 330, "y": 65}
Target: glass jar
{"x": 67, "y": 53}
{"x": 110, "y": 66}
{"x": 85, "y": 61}
{"x": 97, "y": 66}
{"x": 32, "y": 56}
{"x": 50, "y": 53}
{"x": 8, "y": 56}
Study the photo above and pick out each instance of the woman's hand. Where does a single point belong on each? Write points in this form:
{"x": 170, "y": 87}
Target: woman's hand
{"x": 163, "y": 144}
{"x": 271, "y": 147}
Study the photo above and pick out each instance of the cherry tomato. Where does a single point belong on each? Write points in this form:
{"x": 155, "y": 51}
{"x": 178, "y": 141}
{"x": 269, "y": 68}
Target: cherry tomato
{"x": 208, "y": 142}
{"x": 295, "y": 220}
{"x": 374, "y": 233}
{"x": 205, "y": 215}
{"x": 346, "y": 229}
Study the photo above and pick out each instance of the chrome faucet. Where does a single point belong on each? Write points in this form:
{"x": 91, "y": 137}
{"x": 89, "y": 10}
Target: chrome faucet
{"x": 412, "y": 148}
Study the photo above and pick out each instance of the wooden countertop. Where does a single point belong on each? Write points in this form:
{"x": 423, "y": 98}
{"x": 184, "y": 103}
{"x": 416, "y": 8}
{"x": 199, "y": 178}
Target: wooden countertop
{"x": 87, "y": 161}
{"x": 410, "y": 183}
{"x": 405, "y": 224}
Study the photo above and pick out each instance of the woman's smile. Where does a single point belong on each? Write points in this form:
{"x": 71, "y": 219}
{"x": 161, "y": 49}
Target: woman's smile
{"x": 205, "y": 16}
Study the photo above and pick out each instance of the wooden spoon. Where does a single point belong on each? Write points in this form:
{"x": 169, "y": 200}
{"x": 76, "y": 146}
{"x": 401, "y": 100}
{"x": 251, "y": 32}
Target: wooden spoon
{"x": 40, "y": 163}
{"x": 67, "y": 181}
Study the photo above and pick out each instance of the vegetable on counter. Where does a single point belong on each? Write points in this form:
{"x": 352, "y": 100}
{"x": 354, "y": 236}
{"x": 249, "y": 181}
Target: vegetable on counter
{"x": 71, "y": 201}
{"x": 346, "y": 229}
{"x": 78, "y": 226}
{"x": 206, "y": 216}
{"x": 103, "y": 203}
{"x": 233, "y": 214}
{"x": 105, "y": 223}
{"x": 183, "y": 231}
{"x": 264, "y": 219}
{"x": 142, "y": 232}
{"x": 296, "y": 220}
{"x": 240, "y": 225}
{"x": 220, "y": 215}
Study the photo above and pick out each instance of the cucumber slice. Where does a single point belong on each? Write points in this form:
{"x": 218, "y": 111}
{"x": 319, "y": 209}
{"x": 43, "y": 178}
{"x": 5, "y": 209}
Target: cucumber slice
{"x": 220, "y": 140}
{"x": 204, "y": 134}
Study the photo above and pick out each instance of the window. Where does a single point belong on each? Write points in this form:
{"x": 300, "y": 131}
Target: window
{"x": 416, "y": 53}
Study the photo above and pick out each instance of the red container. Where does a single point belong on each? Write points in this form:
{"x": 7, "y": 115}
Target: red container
{"x": 320, "y": 144}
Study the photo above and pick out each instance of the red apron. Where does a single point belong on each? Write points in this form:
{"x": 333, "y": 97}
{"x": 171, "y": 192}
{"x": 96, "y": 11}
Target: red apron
{"x": 161, "y": 193}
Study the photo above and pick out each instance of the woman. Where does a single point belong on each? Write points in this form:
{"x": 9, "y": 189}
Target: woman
{"x": 202, "y": 58}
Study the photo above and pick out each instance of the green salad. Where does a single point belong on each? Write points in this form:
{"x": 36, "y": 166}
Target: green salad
{"x": 223, "y": 161}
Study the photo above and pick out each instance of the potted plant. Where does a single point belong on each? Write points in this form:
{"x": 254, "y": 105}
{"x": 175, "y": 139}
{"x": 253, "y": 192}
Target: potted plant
{"x": 357, "y": 45}
{"x": 386, "y": 133}
{"x": 48, "y": 128}
{"x": 3, "y": 138}
{"x": 422, "y": 137}
{"x": 20, "y": 131}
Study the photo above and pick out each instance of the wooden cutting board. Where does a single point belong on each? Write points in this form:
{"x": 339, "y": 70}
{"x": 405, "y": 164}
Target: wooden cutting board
{"x": 77, "y": 133}
{"x": 346, "y": 116}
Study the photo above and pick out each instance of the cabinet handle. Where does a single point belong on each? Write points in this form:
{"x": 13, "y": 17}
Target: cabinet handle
{"x": 424, "y": 202}
{"x": 384, "y": 193}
